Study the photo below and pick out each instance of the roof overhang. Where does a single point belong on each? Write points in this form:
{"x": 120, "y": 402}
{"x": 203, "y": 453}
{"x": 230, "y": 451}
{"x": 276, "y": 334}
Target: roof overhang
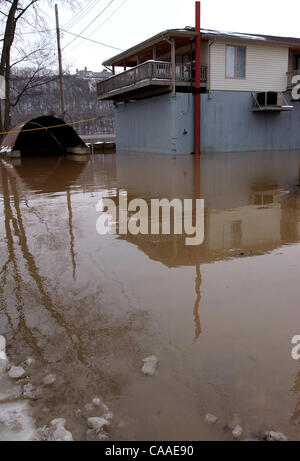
{"x": 144, "y": 50}
{"x": 291, "y": 42}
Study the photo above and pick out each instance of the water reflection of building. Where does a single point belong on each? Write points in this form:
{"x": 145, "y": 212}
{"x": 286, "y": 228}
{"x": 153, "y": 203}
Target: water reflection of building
{"x": 248, "y": 207}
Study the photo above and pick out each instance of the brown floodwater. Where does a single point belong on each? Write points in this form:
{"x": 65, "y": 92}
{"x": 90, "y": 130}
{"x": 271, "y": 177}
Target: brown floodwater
{"x": 219, "y": 317}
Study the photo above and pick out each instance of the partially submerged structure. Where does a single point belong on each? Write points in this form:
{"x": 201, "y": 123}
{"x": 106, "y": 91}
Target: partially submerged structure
{"x": 45, "y": 135}
{"x": 244, "y": 83}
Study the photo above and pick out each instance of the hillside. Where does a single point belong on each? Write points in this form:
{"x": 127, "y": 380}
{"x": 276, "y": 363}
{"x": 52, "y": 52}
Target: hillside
{"x": 80, "y": 99}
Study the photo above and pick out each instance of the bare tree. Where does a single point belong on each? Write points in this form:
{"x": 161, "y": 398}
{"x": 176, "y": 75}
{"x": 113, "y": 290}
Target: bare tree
{"x": 43, "y": 99}
{"x": 20, "y": 18}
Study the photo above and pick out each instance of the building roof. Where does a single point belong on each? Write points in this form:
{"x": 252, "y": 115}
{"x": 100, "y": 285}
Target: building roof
{"x": 183, "y": 37}
{"x": 144, "y": 49}
{"x": 210, "y": 33}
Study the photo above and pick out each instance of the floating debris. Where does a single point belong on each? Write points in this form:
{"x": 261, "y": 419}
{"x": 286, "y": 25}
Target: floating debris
{"x": 32, "y": 393}
{"x": 16, "y": 372}
{"x": 30, "y": 361}
{"x": 96, "y": 401}
{"x": 99, "y": 403}
{"x": 247, "y": 253}
{"x": 211, "y": 419}
{"x": 3, "y": 357}
{"x": 236, "y": 421}
{"x": 49, "y": 380}
{"x": 89, "y": 408}
{"x": 150, "y": 365}
{"x": 237, "y": 432}
{"x": 98, "y": 428}
{"x": 61, "y": 434}
{"x": 56, "y": 432}
{"x": 15, "y": 422}
{"x": 98, "y": 424}
{"x": 2, "y": 344}
{"x": 271, "y": 436}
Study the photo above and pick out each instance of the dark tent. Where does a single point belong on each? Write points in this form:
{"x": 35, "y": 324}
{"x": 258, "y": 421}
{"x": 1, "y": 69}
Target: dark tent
{"x": 42, "y": 136}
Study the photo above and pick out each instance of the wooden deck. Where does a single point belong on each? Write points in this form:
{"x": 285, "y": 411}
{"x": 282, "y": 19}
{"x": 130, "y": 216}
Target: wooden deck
{"x": 150, "y": 76}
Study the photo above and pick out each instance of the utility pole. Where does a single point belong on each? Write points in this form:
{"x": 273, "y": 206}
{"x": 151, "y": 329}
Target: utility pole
{"x": 61, "y": 83}
{"x": 197, "y": 96}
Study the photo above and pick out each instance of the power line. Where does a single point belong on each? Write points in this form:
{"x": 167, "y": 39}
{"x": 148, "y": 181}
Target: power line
{"x": 106, "y": 20}
{"x": 78, "y": 14}
{"x": 90, "y": 40}
{"x": 86, "y": 10}
{"x": 92, "y": 22}
{"x": 100, "y": 25}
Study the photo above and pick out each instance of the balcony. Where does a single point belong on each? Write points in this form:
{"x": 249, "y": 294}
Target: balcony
{"x": 149, "y": 78}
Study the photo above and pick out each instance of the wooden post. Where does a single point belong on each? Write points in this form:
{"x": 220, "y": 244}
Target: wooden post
{"x": 62, "y": 96}
{"x": 197, "y": 96}
{"x": 173, "y": 61}
{"x": 191, "y": 66}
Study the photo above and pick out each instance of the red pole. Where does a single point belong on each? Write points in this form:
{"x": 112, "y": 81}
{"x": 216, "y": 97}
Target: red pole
{"x": 197, "y": 96}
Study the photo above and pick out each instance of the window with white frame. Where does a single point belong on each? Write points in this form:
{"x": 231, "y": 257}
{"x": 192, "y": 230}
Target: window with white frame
{"x": 235, "y": 61}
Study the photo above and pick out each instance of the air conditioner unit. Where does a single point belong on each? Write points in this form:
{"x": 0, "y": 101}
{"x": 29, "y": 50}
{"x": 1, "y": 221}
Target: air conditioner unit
{"x": 271, "y": 101}
{"x": 269, "y": 98}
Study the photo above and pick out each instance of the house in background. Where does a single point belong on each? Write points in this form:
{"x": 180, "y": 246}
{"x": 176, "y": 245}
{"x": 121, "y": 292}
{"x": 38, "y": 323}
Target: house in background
{"x": 246, "y": 101}
{"x": 85, "y": 73}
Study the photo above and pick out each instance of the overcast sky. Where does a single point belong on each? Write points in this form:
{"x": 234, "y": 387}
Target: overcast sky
{"x": 137, "y": 20}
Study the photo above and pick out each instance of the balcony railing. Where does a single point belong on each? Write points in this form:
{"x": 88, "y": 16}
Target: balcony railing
{"x": 290, "y": 76}
{"x": 159, "y": 72}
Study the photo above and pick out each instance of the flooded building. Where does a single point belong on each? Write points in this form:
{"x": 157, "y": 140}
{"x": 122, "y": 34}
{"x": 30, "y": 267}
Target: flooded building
{"x": 245, "y": 92}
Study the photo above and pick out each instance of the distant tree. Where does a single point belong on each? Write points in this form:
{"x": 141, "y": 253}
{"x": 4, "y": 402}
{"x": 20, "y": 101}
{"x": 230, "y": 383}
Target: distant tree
{"x": 24, "y": 40}
{"x": 80, "y": 98}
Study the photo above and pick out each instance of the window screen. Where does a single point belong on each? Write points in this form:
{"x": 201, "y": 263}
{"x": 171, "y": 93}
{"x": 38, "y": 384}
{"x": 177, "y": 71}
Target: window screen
{"x": 235, "y": 61}
{"x": 241, "y": 62}
{"x": 230, "y": 61}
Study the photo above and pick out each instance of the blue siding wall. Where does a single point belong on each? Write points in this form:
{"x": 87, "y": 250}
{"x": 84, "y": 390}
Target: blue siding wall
{"x": 229, "y": 125}
{"x": 164, "y": 124}
{"x": 156, "y": 125}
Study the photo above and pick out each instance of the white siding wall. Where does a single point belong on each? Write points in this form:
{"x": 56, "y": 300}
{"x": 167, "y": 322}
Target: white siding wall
{"x": 266, "y": 67}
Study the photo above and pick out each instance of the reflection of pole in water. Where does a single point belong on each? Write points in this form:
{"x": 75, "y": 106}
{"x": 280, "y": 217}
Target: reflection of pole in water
{"x": 9, "y": 217}
{"x": 197, "y": 303}
{"x": 71, "y": 233}
{"x": 19, "y": 231}
{"x": 197, "y": 252}
{"x": 295, "y": 418}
